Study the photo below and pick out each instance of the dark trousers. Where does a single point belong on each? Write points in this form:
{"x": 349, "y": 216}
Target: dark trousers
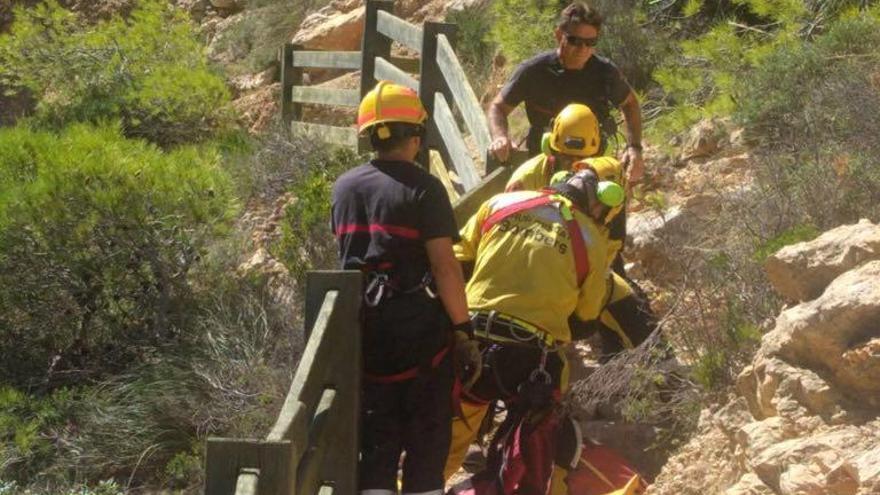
{"x": 413, "y": 416}
{"x": 506, "y": 367}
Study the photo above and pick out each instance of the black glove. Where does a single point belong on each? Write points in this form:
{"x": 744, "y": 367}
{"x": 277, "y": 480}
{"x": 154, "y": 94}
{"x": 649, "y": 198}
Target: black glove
{"x": 468, "y": 359}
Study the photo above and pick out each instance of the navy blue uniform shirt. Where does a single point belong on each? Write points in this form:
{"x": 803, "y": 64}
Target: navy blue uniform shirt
{"x": 384, "y": 212}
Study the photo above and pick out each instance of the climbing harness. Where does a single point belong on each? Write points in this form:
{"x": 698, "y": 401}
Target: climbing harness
{"x": 499, "y": 327}
{"x": 381, "y": 285}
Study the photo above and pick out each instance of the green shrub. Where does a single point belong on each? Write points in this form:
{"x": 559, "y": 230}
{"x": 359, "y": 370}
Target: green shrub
{"x": 106, "y": 487}
{"x": 29, "y": 427}
{"x": 97, "y": 236}
{"x": 818, "y": 152}
{"x": 147, "y": 70}
{"x": 732, "y": 50}
{"x": 473, "y": 46}
{"x": 635, "y": 45}
{"x": 524, "y": 27}
{"x": 794, "y": 235}
{"x": 226, "y": 375}
{"x": 306, "y": 242}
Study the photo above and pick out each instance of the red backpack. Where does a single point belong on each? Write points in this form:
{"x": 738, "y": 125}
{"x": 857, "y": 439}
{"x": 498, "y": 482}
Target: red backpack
{"x": 522, "y": 455}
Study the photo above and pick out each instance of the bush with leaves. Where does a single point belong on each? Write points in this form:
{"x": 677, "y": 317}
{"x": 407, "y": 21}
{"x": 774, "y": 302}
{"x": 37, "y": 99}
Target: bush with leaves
{"x": 524, "y": 27}
{"x": 226, "y": 374}
{"x": 473, "y": 45}
{"x": 306, "y": 242}
{"x": 148, "y": 70}
{"x": 725, "y": 44}
{"x": 98, "y": 234}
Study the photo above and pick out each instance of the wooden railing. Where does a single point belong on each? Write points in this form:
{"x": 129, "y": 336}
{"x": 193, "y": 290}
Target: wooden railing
{"x": 312, "y": 448}
{"x": 440, "y": 81}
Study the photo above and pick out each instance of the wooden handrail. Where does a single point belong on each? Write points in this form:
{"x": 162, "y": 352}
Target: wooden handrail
{"x": 399, "y": 30}
{"x": 314, "y": 440}
{"x": 327, "y": 60}
{"x": 466, "y": 99}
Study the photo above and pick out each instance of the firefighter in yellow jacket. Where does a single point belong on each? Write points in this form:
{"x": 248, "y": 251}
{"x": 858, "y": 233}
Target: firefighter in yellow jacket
{"x": 538, "y": 257}
{"x": 626, "y": 319}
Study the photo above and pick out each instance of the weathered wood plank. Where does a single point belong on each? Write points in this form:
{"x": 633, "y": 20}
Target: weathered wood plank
{"x": 399, "y": 30}
{"x": 320, "y": 443}
{"x": 339, "y": 352}
{"x": 430, "y": 82}
{"x": 327, "y": 60}
{"x": 465, "y": 98}
{"x": 292, "y": 424}
{"x": 458, "y": 152}
{"x": 326, "y": 96}
{"x": 373, "y": 45}
{"x": 343, "y": 136}
{"x": 248, "y": 482}
{"x": 515, "y": 159}
{"x": 290, "y": 76}
{"x": 226, "y": 457}
{"x": 388, "y": 71}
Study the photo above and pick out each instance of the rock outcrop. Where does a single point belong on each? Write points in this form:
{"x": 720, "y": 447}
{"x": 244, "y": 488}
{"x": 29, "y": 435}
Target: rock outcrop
{"x": 802, "y": 271}
{"x": 806, "y": 418}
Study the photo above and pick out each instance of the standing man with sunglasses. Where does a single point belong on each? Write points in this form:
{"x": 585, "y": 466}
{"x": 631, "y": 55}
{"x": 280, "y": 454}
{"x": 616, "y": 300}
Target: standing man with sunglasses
{"x": 572, "y": 73}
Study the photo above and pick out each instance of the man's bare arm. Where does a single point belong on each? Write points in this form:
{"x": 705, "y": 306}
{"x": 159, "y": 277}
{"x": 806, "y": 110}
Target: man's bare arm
{"x": 632, "y": 155}
{"x": 498, "y": 112}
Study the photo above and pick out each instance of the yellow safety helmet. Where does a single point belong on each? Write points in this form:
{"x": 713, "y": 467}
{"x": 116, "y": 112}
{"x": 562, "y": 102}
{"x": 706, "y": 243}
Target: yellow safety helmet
{"x": 575, "y": 131}
{"x": 390, "y": 103}
{"x": 608, "y": 169}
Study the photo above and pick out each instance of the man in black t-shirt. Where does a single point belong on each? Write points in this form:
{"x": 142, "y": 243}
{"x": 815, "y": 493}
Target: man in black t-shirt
{"x": 393, "y": 221}
{"x": 571, "y": 73}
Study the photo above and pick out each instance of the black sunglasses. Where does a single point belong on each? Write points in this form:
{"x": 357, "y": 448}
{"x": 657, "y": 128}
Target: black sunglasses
{"x": 578, "y": 41}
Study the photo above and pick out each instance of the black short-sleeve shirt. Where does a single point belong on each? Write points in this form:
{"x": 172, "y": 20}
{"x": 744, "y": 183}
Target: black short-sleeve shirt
{"x": 546, "y": 88}
{"x": 384, "y": 211}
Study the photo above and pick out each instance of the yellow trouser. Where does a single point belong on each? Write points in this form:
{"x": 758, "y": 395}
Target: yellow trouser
{"x": 463, "y": 435}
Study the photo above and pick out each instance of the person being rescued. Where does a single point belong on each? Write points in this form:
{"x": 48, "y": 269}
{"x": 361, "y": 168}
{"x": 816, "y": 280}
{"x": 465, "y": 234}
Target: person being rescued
{"x": 626, "y": 319}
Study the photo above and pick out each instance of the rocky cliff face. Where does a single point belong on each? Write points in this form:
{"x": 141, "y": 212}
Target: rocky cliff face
{"x": 806, "y": 415}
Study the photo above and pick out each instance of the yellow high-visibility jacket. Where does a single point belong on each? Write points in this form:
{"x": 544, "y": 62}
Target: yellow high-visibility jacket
{"x": 534, "y": 174}
{"x": 524, "y": 266}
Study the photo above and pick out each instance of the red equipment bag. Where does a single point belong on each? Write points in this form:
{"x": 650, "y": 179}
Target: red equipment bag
{"x": 524, "y": 450}
{"x": 602, "y": 471}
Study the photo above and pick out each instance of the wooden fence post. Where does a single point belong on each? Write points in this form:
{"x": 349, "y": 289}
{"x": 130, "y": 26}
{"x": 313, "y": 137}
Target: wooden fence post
{"x": 430, "y": 82}
{"x": 373, "y": 45}
{"x": 290, "y": 76}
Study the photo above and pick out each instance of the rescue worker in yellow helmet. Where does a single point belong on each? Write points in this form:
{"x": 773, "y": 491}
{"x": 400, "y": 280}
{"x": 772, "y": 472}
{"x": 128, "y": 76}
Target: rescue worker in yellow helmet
{"x": 574, "y": 125}
{"x": 393, "y": 221}
{"x": 538, "y": 257}
{"x": 627, "y": 319}
{"x": 574, "y": 136}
